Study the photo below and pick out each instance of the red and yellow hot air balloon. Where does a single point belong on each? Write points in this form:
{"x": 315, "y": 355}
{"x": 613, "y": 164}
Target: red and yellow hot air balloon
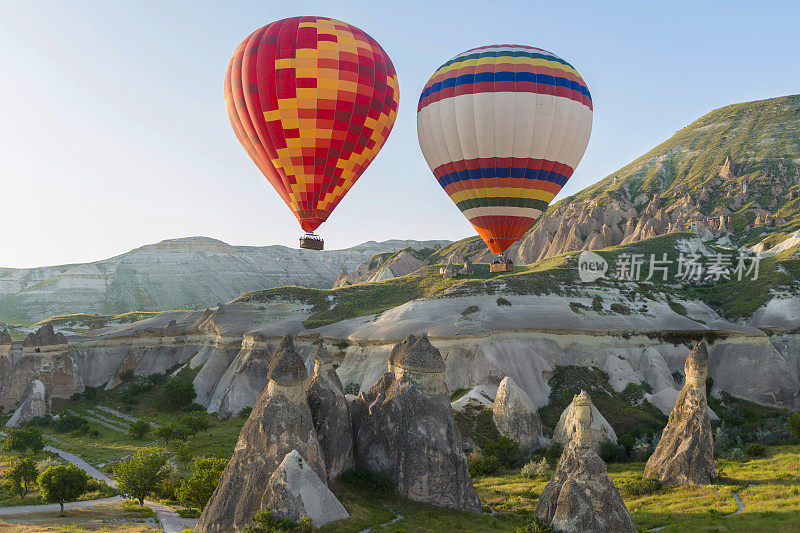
{"x": 503, "y": 128}
{"x": 312, "y": 100}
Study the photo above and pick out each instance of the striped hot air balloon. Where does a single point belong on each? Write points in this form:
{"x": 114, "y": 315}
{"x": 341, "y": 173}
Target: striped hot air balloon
{"x": 503, "y": 128}
{"x": 312, "y": 101}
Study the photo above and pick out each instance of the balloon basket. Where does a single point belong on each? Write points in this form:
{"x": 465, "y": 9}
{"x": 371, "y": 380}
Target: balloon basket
{"x": 310, "y": 241}
{"x": 502, "y": 265}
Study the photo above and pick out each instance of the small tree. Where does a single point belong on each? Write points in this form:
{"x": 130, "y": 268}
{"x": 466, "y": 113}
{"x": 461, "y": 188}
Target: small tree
{"x": 197, "y": 489}
{"x": 794, "y": 426}
{"x": 139, "y": 429}
{"x": 22, "y": 440}
{"x": 165, "y": 432}
{"x": 142, "y": 473}
{"x": 195, "y": 422}
{"x": 183, "y": 453}
{"x": 177, "y": 392}
{"x": 22, "y": 475}
{"x": 61, "y": 484}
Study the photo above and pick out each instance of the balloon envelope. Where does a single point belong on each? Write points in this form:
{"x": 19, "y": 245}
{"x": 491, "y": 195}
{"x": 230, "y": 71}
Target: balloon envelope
{"x": 503, "y": 128}
{"x": 312, "y": 100}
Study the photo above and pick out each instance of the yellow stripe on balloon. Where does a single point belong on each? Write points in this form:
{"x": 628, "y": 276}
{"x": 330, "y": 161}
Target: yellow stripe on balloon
{"x": 501, "y": 192}
{"x": 521, "y": 60}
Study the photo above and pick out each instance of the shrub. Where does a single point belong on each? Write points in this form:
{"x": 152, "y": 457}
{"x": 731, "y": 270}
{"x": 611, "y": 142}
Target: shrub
{"x": 536, "y": 525}
{"x": 502, "y": 302}
{"x": 245, "y": 412}
{"x": 506, "y": 450}
{"x": 374, "y": 483}
{"x": 470, "y": 310}
{"x": 643, "y": 448}
{"x": 72, "y": 423}
{"x": 483, "y": 465}
{"x": 553, "y": 452}
{"x": 195, "y": 422}
{"x": 197, "y": 489}
{"x": 126, "y": 376}
{"x": 352, "y": 388}
{"x": 639, "y": 486}
{"x": 40, "y": 421}
{"x": 188, "y": 513}
{"x": 183, "y": 453}
{"x": 620, "y": 309}
{"x": 611, "y": 452}
{"x": 264, "y": 522}
{"x": 755, "y": 449}
{"x": 537, "y": 470}
{"x": 139, "y": 429}
{"x": 793, "y": 423}
{"x": 597, "y": 303}
{"x": 178, "y": 392}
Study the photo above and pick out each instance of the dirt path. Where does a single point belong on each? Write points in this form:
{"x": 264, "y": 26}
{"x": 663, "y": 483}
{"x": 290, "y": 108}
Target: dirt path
{"x": 54, "y": 507}
{"x": 169, "y": 519}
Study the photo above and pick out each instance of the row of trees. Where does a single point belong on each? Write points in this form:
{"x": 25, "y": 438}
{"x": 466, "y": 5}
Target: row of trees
{"x": 144, "y": 473}
{"x": 188, "y": 425}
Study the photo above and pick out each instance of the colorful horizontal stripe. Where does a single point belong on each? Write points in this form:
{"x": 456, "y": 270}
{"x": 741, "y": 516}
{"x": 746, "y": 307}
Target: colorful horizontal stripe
{"x": 502, "y": 128}
{"x": 506, "y": 69}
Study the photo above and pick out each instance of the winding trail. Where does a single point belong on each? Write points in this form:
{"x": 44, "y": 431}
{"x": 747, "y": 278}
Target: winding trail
{"x": 739, "y": 501}
{"x": 167, "y": 517}
{"x": 736, "y": 497}
{"x": 392, "y": 521}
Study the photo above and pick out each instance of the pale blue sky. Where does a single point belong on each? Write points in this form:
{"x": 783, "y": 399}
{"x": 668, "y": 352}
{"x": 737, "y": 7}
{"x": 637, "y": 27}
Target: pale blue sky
{"x": 113, "y": 131}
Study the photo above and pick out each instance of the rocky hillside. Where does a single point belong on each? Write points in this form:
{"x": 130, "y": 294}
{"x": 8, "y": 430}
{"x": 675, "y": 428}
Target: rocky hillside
{"x": 188, "y": 273}
{"x": 523, "y": 324}
{"x": 736, "y": 169}
{"x": 734, "y": 172}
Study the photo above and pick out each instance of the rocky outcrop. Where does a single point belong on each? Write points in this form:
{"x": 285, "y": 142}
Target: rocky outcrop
{"x": 35, "y": 402}
{"x": 279, "y": 423}
{"x": 382, "y": 267}
{"x": 514, "y": 415}
{"x": 685, "y": 453}
{"x": 404, "y": 426}
{"x": 580, "y": 496}
{"x": 330, "y": 413}
{"x": 44, "y": 339}
{"x": 244, "y": 379}
{"x": 571, "y": 419}
{"x": 294, "y": 490}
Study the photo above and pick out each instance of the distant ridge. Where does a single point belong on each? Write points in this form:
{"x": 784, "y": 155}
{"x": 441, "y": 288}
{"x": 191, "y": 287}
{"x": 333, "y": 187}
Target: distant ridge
{"x": 184, "y": 273}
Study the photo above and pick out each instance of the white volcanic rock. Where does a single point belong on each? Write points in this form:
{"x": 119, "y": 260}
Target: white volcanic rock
{"x": 569, "y": 421}
{"x": 175, "y": 274}
{"x": 514, "y": 415}
{"x": 580, "y": 497}
{"x": 35, "y": 402}
{"x": 295, "y": 490}
{"x": 665, "y": 401}
{"x": 685, "y": 452}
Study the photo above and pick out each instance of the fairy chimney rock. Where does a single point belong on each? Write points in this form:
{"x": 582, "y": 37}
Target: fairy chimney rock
{"x": 685, "y": 452}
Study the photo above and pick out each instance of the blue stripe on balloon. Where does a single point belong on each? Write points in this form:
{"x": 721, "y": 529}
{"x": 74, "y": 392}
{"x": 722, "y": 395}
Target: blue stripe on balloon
{"x": 544, "y": 79}
{"x": 503, "y": 172}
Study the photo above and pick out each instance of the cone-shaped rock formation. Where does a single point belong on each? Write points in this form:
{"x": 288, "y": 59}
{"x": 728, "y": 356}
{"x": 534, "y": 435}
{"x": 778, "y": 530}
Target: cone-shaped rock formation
{"x": 404, "y": 426}
{"x": 279, "y": 423}
{"x": 580, "y": 497}
{"x": 330, "y": 413}
{"x": 685, "y": 453}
